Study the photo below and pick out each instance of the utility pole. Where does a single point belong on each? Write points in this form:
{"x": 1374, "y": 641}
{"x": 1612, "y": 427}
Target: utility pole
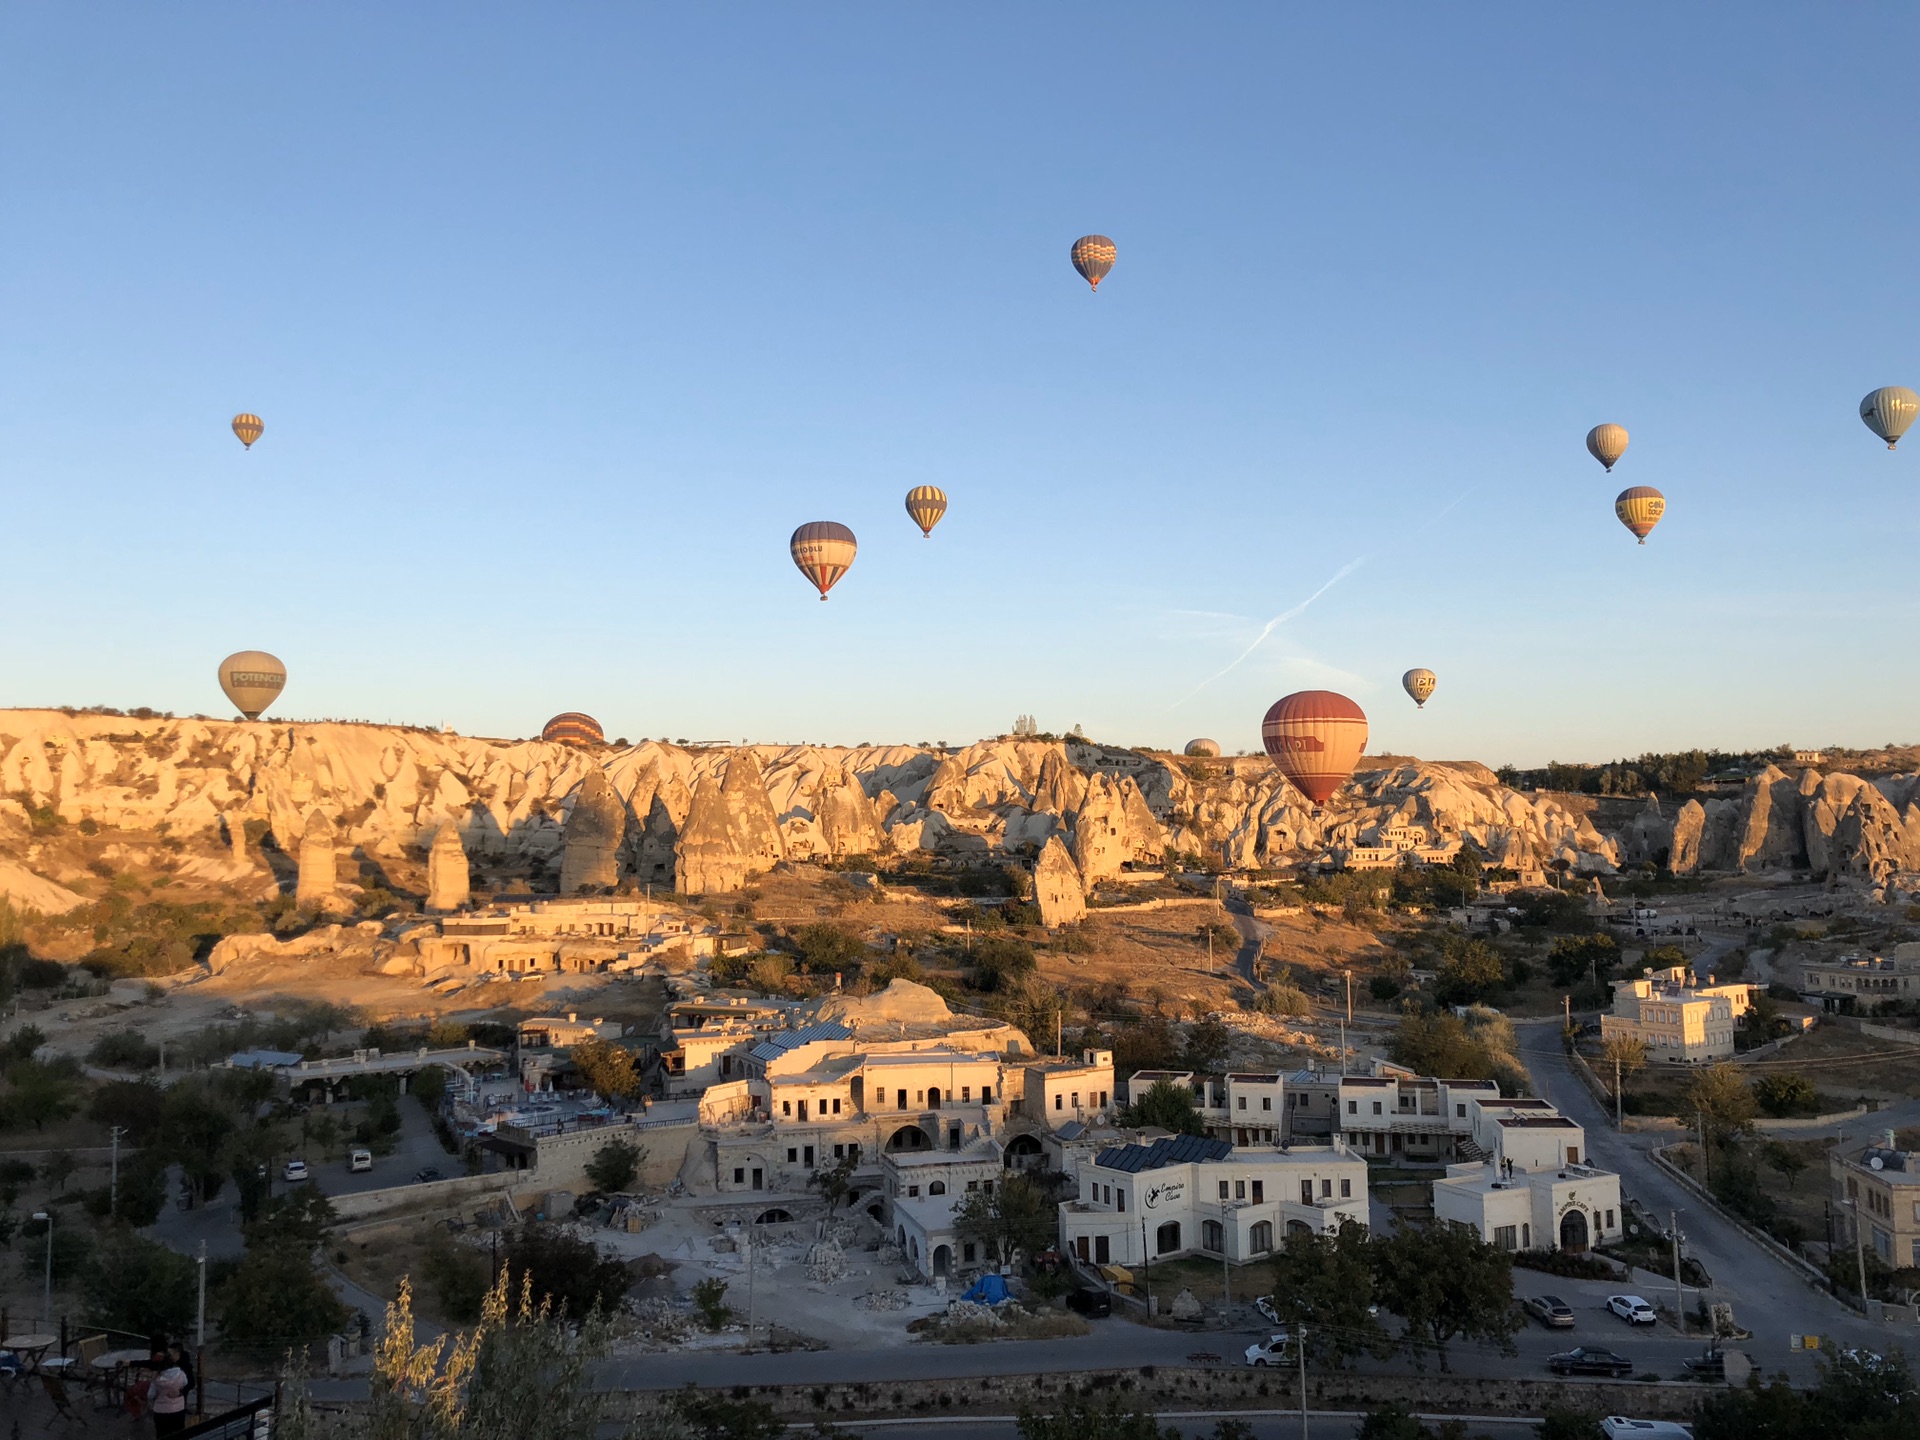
{"x": 200, "y": 1319}
{"x": 1619, "y": 1122}
{"x": 1679, "y": 1296}
{"x": 1860, "y": 1253}
{"x": 1566, "y": 1002}
{"x": 1226, "y": 1273}
{"x": 46, "y": 1302}
{"x": 1300, "y": 1344}
{"x": 749, "y": 1241}
{"x": 1147, "y": 1260}
{"x": 1343, "y": 1048}
{"x": 1349, "y": 975}
{"x": 113, "y": 1181}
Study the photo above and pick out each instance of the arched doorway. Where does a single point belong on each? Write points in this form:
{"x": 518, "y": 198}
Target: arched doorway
{"x": 774, "y": 1217}
{"x": 942, "y": 1260}
{"x": 933, "y": 1097}
{"x": 910, "y": 1137}
{"x": 1212, "y": 1236}
{"x": 877, "y": 1211}
{"x": 1260, "y": 1238}
{"x": 1023, "y": 1152}
{"x": 1573, "y": 1231}
{"x": 1167, "y": 1238}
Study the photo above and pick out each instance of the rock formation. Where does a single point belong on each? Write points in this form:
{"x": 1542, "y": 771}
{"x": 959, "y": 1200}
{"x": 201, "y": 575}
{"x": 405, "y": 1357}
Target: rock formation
{"x": 731, "y": 832}
{"x": 590, "y": 858}
{"x": 319, "y": 873}
{"x": 449, "y": 880}
{"x": 847, "y": 819}
{"x": 1057, "y": 887}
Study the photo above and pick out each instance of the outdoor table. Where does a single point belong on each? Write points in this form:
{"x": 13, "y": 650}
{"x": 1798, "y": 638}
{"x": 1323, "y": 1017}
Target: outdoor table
{"x": 113, "y": 1366}
{"x": 30, "y": 1348}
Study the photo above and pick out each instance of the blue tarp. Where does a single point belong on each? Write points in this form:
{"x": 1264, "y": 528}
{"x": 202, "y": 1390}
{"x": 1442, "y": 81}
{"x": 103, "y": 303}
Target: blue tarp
{"x": 988, "y": 1290}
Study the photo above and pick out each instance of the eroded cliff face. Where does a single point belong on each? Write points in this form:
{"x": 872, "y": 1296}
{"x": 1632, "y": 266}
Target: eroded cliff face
{"x": 388, "y": 790}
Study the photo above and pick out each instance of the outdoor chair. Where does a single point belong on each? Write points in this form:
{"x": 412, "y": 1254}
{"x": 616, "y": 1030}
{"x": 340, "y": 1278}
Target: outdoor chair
{"x": 56, "y": 1389}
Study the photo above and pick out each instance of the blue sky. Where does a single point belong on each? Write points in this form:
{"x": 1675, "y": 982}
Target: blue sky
{"x": 562, "y": 317}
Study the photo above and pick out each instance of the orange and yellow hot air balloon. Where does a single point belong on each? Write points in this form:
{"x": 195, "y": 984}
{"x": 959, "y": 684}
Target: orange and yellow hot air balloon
{"x": 1640, "y": 509}
{"x": 249, "y": 428}
{"x": 926, "y": 504}
{"x": 1093, "y": 257}
{"x": 824, "y": 551}
{"x": 570, "y": 727}
{"x": 1317, "y": 737}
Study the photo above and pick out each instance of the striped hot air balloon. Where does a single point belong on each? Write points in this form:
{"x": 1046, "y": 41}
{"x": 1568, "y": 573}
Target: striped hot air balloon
{"x": 1888, "y": 412}
{"x": 1419, "y": 684}
{"x": 249, "y": 428}
{"x": 1093, "y": 257}
{"x": 572, "y": 728}
{"x": 1640, "y": 509}
{"x": 824, "y": 551}
{"x": 926, "y": 504}
{"x": 252, "y": 680}
{"x": 1607, "y": 443}
{"x": 1316, "y": 737}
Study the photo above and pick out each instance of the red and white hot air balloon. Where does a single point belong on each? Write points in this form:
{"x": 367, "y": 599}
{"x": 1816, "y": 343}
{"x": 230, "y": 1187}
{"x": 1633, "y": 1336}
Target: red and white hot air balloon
{"x": 1316, "y": 737}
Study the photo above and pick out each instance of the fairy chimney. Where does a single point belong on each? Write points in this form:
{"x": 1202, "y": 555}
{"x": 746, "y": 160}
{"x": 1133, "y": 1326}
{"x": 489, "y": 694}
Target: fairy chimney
{"x": 317, "y": 864}
{"x": 449, "y": 881}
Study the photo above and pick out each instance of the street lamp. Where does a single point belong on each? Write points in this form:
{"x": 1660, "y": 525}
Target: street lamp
{"x": 46, "y": 1299}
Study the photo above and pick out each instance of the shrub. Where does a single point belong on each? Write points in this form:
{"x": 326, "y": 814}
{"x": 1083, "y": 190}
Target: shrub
{"x": 458, "y": 1275}
{"x": 124, "y": 1050}
{"x": 569, "y": 1270}
{"x": 1786, "y": 1094}
{"x": 998, "y": 961}
{"x": 135, "y": 1284}
{"x": 710, "y": 1299}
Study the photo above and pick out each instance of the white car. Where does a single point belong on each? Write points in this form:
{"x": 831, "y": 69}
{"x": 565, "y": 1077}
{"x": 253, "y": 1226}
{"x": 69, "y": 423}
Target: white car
{"x": 1265, "y": 1306}
{"x": 296, "y": 1170}
{"x": 359, "y": 1161}
{"x": 1632, "y": 1309}
{"x": 1276, "y": 1350}
{"x": 1621, "y": 1427}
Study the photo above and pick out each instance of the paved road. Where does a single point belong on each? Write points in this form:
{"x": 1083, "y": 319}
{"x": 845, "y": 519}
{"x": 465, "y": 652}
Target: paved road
{"x": 1252, "y": 933}
{"x": 1267, "y": 1425}
{"x": 1768, "y": 1296}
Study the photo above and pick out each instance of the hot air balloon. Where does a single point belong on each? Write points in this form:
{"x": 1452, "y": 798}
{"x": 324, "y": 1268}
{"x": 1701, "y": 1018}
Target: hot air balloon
{"x": 572, "y": 728}
{"x": 1093, "y": 257}
{"x": 1640, "y": 509}
{"x": 1317, "y": 737}
{"x": 1203, "y": 748}
{"x": 253, "y": 680}
{"x": 249, "y": 428}
{"x": 1419, "y": 684}
{"x": 1607, "y": 443}
{"x": 824, "y": 551}
{"x": 926, "y": 504}
{"x": 1888, "y": 412}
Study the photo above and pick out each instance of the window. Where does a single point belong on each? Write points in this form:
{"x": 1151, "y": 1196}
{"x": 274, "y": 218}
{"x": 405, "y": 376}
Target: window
{"x": 967, "y": 1252}
{"x": 986, "y": 1094}
{"x": 739, "y": 1175}
{"x": 1346, "y": 1189}
{"x": 1306, "y": 1192}
{"x": 786, "y": 1107}
{"x": 1505, "y": 1237}
{"x": 903, "y": 1100}
{"x": 1240, "y": 1102}
{"x": 1460, "y": 1112}
{"x": 938, "y": 1187}
{"x": 1119, "y": 1200}
{"x": 839, "y": 1152}
{"x": 1059, "y": 1101}
{"x": 1239, "y": 1189}
{"x": 966, "y": 1093}
{"x": 1326, "y": 1189}
{"x": 919, "y": 1097}
{"x": 975, "y": 1185}
{"x": 987, "y": 1186}
{"x": 1526, "y": 1237}
{"x": 808, "y": 1160}
{"x": 1266, "y": 1102}
{"x": 1609, "y": 1220}
{"x": 793, "y": 1155}
{"x": 1260, "y": 1238}
{"x": 913, "y": 1192}
{"x": 1211, "y": 1236}
{"x": 1376, "y": 1107}
{"x": 1167, "y": 1238}
{"x": 1353, "y": 1107}
{"x": 1076, "y": 1099}
{"x": 1103, "y": 1100}
{"x": 1223, "y": 1189}
{"x": 836, "y": 1107}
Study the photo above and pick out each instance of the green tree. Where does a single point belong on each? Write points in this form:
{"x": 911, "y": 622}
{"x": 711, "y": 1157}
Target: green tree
{"x": 300, "y": 1218}
{"x": 1786, "y": 1094}
{"x": 999, "y": 961}
{"x": 1167, "y": 1105}
{"x": 607, "y": 1068}
{"x": 1392, "y": 1421}
{"x": 1083, "y": 1418}
{"x": 1325, "y": 1282}
{"x": 429, "y": 1087}
{"x": 569, "y": 1272}
{"x": 134, "y": 1284}
{"x": 276, "y": 1300}
{"x": 1582, "y": 960}
{"x": 710, "y": 1299}
{"x": 1719, "y": 1095}
{"x": 58, "y": 1168}
{"x": 1787, "y": 1160}
{"x": 1468, "y": 970}
{"x": 1446, "y": 1282}
{"x": 834, "y": 1182}
{"x": 458, "y": 1275}
{"x": 133, "y": 1105}
{"x": 1018, "y": 1216}
{"x": 1208, "y": 1042}
{"x": 614, "y": 1165}
{"x": 194, "y": 1127}
{"x": 715, "y": 1416}
{"x": 124, "y": 1050}
{"x": 1568, "y": 1422}
{"x": 825, "y": 948}
{"x": 40, "y": 1092}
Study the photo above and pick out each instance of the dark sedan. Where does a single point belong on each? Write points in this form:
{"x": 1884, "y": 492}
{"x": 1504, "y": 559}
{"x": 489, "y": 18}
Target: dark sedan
{"x": 1586, "y": 1360}
{"x": 1088, "y": 1301}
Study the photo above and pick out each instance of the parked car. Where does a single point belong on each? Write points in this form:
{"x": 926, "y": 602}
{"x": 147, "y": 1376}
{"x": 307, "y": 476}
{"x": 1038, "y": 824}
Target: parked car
{"x": 425, "y": 1174}
{"x": 1632, "y": 1309}
{"x": 1091, "y": 1302}
{"x": 296, "y": 1170}
{"x": 1265, "y": 1306}
{"x": 1549, "y": 1310}
{"x": 1586, "y": 1360}
{"x": 359, "y": 1161}
{"x": 1277, "y": 1349}
{"x": 1621, "y": 1427}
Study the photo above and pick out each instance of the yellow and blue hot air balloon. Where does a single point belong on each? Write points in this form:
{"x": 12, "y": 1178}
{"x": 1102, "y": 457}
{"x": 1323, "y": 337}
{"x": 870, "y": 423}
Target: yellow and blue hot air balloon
{"x": 926, "y": 504}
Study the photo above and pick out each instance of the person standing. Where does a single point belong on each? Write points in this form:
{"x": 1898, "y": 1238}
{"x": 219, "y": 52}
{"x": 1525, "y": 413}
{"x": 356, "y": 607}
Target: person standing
{"x": 167, "y": 1395}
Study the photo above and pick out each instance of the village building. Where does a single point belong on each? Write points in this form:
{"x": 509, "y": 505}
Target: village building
{"x": 1532, "y": 1190}
{"x": 1679, "y": 1020}
{"x": 1876, "y": 1199}
{"x": 1855, "y": 984}
{"x": 1196, "y": 1195}
{"x": 924, "y": 1190}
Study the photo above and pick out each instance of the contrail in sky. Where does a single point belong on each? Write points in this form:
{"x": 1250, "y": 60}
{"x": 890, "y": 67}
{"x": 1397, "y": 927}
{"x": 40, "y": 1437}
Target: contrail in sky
{"x": 1274, "y": 624}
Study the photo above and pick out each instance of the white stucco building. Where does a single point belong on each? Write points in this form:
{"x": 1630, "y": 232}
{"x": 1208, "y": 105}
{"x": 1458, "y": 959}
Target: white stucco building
{"x": 1678, "y": 1020}
{"x": 1533, "y": 1191}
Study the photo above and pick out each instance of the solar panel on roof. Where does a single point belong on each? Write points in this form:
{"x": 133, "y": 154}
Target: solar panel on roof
{"x": 1177, "y": 1150}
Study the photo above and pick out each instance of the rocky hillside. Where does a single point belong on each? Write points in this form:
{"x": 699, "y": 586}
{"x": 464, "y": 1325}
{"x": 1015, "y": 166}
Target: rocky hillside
{"x": 208, "y": 787}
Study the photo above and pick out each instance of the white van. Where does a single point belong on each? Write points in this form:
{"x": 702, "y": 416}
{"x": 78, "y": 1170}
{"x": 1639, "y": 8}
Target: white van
{"x": 359, "y": 1161}
{"x": 1620, "y": 1427}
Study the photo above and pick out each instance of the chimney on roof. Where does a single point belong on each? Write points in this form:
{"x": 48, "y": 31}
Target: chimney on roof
{"x": 573, "y": 1017}
{"x": 1888, "y": 1140}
